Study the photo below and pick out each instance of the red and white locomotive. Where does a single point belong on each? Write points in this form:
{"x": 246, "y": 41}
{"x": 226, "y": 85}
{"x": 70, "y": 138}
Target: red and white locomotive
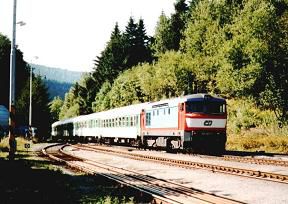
{"x": 196, "y": 121}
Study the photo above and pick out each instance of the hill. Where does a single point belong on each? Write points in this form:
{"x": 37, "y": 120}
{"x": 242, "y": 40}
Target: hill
{"x": 57, "y": 80}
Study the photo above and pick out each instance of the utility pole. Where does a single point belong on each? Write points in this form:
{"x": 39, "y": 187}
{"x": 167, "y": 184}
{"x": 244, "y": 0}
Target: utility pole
{"x": 12, "y": 141}
{"x": 30, "y": 101}
{"x": 31, "y": 91}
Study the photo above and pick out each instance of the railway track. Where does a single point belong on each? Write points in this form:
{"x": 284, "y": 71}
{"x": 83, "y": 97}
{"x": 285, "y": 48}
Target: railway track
{"x": 252, "y": 160}
{"x": 162, "y": 191}
{"x": 190, "y": 164}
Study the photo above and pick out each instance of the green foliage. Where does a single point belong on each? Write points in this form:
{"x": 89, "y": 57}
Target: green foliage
{"x": 40, "y": 108}
{"x": 169, "y": 31}
{"x": 126, "y": 90}
{"x": 172, "y": 76}
{"x": 169, "y": 77}
{"x": 70, "y": 108}
{"x": 21, "y": 71}
{"x": 55, "y": 108}
{"x": 275, "y": 93}
{"x": 137, "y": 42}
{"x": 267, "y": 143}
{"x": 163, "y": 37}
{"x": 102, "y": 100}
{"x": 204, "y": 37}
{"x": 178, "y": 22}
{"x": 244, "y": 115}
{"x": 245, "y": 53}
{"x": 251, "y": 128}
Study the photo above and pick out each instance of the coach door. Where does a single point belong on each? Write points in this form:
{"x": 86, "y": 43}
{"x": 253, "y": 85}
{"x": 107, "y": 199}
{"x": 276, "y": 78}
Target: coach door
{"x": 181, "y": 116}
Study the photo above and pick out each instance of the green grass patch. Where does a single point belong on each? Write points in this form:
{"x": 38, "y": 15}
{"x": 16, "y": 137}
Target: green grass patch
{"x": 4, "y": 144}
{"x": 254, "y": 142}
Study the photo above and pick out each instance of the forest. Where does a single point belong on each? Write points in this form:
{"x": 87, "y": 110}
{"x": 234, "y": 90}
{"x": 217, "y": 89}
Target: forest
{"x": 236, "y": 49}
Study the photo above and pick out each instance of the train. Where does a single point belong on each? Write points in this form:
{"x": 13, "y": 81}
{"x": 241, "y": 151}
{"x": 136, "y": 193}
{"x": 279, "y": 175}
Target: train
{"x": 194, "y": 122}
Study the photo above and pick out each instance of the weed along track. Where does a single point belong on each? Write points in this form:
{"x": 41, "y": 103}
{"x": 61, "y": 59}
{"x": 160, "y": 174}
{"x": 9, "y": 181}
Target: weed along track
{"x": 250, "y": 173}
{"x": 161, "y": 190}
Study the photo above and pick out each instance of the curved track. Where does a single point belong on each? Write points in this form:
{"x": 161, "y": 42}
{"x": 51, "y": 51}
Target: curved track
{"x": 163, "y": 191}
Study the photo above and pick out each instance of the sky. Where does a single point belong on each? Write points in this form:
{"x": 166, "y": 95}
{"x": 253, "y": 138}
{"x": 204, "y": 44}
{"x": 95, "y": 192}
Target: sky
{"x": 69, "y": 34}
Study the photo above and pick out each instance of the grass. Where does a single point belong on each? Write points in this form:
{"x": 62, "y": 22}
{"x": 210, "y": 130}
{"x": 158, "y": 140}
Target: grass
{"x": 33, "y": 179}
{"x": 258, "y": 142}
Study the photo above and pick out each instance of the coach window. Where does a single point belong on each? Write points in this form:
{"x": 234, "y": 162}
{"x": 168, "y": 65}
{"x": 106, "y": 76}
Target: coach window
{"x": 157, "y": 112}
{"x": 127, "y": 122}
{"x": 148, "y": 119}
{"x": 153, "y": 112}
{"x": 123, "y": 122}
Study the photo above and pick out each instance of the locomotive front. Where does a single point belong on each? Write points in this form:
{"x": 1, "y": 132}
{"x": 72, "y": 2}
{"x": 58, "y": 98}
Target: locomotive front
{"x": 204, "y": 120}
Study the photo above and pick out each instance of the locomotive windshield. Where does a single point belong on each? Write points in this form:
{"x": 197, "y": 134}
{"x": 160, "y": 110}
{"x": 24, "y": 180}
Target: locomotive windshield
{"x": 206, "y": 107}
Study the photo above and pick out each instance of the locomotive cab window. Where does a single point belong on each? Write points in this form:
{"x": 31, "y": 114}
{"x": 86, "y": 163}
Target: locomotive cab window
{"x": 206, "y": 107}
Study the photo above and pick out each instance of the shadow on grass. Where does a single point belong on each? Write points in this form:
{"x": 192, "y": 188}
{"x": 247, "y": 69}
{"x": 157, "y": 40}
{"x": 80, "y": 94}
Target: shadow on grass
{"x": 31, "y": 181}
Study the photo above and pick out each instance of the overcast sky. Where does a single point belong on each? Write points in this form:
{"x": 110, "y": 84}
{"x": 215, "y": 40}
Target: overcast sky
{"x": 70, "y": 34}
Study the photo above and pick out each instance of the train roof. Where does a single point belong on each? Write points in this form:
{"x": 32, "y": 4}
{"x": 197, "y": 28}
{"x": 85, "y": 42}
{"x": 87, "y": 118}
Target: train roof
{"x": 116, "y": 112}
{"x": 121, "y": 111}
{"x": 193, "y": 97}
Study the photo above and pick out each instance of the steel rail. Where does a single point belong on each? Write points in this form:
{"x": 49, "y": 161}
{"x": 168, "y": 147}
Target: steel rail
{"x": 162, "y": 191}
{"x": 189, "y": 164}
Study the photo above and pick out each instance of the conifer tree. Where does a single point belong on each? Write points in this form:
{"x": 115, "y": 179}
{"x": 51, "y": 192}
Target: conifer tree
{"x": 163, "y": 35}
{"x": 178, "y": 22}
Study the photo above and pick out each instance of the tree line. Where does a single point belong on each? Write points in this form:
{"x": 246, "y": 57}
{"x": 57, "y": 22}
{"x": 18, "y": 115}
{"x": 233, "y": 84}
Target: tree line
{"x": 40, "y": 100}
{"x": 233, "y": 48}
